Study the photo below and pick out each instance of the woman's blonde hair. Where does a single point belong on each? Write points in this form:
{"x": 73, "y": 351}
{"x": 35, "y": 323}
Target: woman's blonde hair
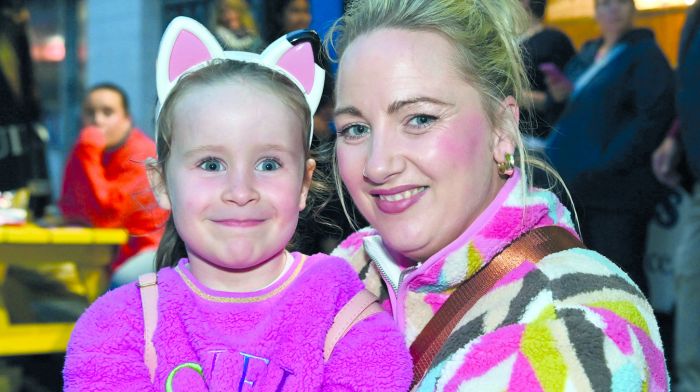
{"x": 485, "y": 35}
{"x": 171, "y": 247}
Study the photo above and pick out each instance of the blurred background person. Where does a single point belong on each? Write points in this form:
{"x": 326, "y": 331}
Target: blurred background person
{"x": 22, "y": 138}
{"x": 676, "y": 162}
{"x": 105, "y": 183}
{"x": 541, "y": 45}
{"x": 282, "y": 17}
{"x": 235, "y": 27}
{"x": 618, "y": 102}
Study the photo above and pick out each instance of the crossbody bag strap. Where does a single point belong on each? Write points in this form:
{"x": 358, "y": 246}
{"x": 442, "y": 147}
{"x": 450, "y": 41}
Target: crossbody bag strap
{"x": 148, "y": 286}
{"x": 533, "y": 246}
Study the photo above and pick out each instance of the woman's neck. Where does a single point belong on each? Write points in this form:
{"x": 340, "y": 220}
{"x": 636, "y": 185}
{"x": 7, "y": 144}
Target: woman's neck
{"x": 609, "y": 40}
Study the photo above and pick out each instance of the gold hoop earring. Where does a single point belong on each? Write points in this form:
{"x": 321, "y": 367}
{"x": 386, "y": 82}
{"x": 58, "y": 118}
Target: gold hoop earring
{"x": 507, "y": 167}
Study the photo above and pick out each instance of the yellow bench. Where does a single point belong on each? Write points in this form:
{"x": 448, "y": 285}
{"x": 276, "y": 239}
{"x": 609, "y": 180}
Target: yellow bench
{"x": 78, "y": 257}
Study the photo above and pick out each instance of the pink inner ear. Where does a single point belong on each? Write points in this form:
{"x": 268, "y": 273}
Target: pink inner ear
{"x": 187, "y": 51}
{"x": 299, "y": 61}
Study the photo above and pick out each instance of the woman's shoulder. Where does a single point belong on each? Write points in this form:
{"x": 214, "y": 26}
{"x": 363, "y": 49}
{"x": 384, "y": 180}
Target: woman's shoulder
{"x": 352, "y": 250}
{"x": 585, "y": 285}
{"x": 642, "y": 46}
{"x": 585, "y": 270}
{"x": 574, "y": 317}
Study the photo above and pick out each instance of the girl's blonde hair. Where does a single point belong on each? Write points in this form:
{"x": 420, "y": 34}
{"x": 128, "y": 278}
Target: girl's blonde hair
{"x": 485, "y": 35}
{"x": 171, "y": 247}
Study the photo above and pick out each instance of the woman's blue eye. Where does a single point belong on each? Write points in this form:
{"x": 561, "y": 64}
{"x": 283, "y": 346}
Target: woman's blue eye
{"x": 268, "y": 165}
{"x": 354, "y": 131}
{"x": 211, "y": 164}
{"x": 421, "y": 120}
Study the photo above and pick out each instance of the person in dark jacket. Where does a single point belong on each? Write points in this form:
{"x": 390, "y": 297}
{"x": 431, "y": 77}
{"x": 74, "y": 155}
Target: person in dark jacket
{"x": 668, "y": 169}
{"x": 617, "y": 100}
{"x": 22, "y": 139}
{"x": 541, "y": 45}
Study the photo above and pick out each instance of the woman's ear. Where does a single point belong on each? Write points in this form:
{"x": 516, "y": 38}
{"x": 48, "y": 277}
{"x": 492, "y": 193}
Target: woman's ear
{"x": 505, "y": 134}
{"x": 306, "y": 185}
{"x": 156, "y": 179}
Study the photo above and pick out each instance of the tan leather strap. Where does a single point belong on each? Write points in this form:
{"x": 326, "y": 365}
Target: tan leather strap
{"x": 148, "y": 286}
{"x": 361, "y": 306}
{"x": 532, "y": 246}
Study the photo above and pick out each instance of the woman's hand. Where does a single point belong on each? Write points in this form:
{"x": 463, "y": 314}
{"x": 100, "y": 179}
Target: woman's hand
{"x": 664, "y": 162}
{"x": 559, "y": 88}
{"x": 558, "y": 85}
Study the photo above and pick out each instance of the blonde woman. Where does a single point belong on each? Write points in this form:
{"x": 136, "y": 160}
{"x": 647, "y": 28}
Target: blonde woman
{"x": 235, "y": 27}
{"x": 430, "y": 151}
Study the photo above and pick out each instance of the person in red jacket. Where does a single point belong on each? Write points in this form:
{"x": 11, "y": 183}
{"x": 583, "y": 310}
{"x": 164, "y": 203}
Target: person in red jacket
{"x": 105, "y": 182}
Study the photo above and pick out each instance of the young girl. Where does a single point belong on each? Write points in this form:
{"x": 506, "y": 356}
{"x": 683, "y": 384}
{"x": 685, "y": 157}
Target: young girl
{"x": 235, "y": 310}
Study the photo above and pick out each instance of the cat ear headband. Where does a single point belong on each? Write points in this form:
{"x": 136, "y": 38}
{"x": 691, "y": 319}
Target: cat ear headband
{"x": 187, "y": 45}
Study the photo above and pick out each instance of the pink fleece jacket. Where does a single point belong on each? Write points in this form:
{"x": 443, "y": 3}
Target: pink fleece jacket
{"x": 268, "y": 340}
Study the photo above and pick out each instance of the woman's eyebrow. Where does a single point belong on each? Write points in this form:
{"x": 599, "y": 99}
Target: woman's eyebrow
{"x": 350, "y": 110}
{"x": 397, "y": 105}
{"x": 393, "y": 108}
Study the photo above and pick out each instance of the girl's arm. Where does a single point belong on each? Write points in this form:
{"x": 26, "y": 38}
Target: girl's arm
{"x": 105, "y": 352}
{"x": 372, "y": 356}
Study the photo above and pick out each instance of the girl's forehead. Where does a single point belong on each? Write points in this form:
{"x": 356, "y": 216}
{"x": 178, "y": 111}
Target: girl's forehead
{"x": 237, "y": 116}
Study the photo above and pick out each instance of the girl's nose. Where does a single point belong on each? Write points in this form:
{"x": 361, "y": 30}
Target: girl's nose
{"x": 241, "y": 189}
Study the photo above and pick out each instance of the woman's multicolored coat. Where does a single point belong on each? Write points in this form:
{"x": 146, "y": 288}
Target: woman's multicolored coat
{"x": 572, "y": 322}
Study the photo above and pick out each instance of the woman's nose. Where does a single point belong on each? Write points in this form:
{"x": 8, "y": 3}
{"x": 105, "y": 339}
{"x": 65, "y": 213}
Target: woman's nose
{"x": 384, "y": 159}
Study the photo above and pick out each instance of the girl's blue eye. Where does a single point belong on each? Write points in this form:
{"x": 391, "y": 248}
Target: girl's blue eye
{"x": 211, "y": 164}
{"x": 354, "y": 131}
{"x": 268, "y": 164}
{"x": 421, "y": 120}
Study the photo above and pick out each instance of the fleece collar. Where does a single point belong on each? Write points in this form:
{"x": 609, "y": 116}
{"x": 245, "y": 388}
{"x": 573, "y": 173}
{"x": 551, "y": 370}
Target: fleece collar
{"x": 512, "y": 213}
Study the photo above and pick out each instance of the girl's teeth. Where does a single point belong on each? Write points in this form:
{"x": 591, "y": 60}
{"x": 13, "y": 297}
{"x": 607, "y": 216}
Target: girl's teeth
{"x": 402, "y": 195}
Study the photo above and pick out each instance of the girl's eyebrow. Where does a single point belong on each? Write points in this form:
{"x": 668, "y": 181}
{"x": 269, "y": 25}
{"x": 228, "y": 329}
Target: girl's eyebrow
{"x": 273, "y": 146}
{"x": 214, "y": 148}
{"x": 204, "y": 148}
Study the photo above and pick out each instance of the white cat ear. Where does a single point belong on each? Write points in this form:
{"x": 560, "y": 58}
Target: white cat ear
{"x": 296, "y": 53}
{"x": 185, "y": 45}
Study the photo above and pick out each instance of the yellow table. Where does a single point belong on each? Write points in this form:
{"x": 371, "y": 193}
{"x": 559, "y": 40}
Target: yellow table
{"x": 86, "y": 250}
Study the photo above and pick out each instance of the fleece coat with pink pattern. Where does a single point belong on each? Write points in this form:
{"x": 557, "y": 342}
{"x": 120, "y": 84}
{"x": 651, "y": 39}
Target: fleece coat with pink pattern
{"x": 572, "y": 322}
{"x": 268, "y": 340}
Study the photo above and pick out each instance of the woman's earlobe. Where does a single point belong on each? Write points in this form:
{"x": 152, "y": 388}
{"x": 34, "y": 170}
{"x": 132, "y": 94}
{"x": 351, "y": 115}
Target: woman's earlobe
{"x": 505, "y": 137}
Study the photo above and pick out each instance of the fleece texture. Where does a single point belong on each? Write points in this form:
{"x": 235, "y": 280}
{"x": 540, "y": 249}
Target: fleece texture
{"x": 268, "y": 340}
{"x": 109, "y": 188}
{"x": 573, "y": 321}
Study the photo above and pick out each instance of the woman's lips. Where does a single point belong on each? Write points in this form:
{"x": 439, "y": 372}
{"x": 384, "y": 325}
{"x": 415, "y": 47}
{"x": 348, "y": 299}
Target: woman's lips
{"x": 399, "y": 199}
